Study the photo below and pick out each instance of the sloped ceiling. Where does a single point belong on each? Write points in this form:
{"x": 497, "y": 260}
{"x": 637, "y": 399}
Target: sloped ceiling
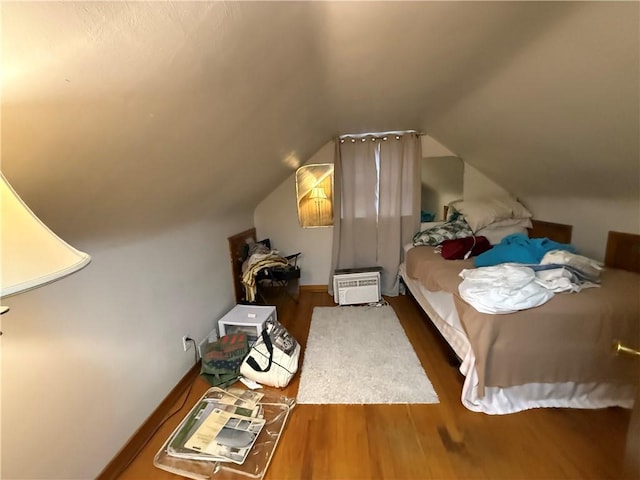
{"x": 131, "y": 116}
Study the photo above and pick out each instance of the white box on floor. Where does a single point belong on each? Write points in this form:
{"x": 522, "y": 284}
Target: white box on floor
{"x": 249, "y": 319}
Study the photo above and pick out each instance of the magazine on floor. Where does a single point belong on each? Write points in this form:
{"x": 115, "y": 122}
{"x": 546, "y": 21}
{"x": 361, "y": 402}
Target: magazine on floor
{"x": 226, "y": 436}
{"x": 214, "y": 409}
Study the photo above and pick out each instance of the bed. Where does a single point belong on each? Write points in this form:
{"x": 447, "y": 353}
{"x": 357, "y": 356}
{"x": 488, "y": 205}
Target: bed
{"x": 558, "y": 354}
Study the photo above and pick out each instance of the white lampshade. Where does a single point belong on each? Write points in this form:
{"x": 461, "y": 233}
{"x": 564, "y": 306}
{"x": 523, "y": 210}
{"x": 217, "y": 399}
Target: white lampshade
{"x": 318, "y": 192}
{"x": 31, "y": 254}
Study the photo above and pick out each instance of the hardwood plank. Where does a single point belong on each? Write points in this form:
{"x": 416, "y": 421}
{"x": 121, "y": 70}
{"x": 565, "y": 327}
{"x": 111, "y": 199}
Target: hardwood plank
{"x": 439, "y": 441}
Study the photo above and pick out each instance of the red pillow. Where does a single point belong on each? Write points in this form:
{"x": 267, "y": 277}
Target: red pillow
{"x": 466, "y": 247}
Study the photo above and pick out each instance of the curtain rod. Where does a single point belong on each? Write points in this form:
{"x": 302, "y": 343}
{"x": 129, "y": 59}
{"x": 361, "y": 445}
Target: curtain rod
{"x": 379, "y": 134}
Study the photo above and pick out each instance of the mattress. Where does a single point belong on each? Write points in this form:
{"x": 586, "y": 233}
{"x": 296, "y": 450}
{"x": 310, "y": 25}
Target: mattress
{"x": 443, "y": 308}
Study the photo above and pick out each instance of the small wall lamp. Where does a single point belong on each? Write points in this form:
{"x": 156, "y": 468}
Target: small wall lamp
{"x": 314, "y": 192}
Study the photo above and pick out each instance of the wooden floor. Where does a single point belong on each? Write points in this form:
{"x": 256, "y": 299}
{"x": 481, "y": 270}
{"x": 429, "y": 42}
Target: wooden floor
{"x": 438, "y": 441}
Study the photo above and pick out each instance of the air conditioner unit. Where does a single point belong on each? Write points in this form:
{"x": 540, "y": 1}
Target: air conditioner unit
{"x": 353, "y": 288}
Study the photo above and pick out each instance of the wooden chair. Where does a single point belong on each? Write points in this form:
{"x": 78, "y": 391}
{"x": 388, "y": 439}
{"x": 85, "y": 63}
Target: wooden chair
{"x": 283, "y": 279}
{"x": 280, "y": 278}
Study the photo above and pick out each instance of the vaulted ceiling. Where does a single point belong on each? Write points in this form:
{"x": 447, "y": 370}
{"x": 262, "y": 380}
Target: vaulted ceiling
{"x": 136, "y": 115}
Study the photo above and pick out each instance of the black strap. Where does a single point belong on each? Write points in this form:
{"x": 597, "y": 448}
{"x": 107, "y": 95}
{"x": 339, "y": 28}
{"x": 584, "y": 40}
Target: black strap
{"x": 251, "y": 361}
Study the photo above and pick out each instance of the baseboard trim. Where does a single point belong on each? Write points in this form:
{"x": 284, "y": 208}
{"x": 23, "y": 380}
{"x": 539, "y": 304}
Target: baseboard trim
{"x": 139, "y": 439}
{"x": 314, "y": 288}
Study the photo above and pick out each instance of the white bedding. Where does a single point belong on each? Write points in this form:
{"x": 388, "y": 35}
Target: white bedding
{"x": 504, "y": 288}
{"x": 440, "y": 308}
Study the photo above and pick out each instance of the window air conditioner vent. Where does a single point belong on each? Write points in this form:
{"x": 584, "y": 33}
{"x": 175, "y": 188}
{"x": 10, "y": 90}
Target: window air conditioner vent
{"x": 355, "y": 288}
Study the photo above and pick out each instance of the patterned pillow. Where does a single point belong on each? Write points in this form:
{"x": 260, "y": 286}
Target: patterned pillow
{"x": 457, "y": 228}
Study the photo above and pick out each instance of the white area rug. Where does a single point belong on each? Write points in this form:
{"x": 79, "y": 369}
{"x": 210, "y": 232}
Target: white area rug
{"x": 358, "y": 355}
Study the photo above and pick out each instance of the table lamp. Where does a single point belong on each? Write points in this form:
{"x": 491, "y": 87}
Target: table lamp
{"x": 31, "y": 254}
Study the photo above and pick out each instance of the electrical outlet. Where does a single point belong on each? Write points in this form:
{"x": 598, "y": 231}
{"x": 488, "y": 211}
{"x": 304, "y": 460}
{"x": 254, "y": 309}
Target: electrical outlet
{"x": 186, "y": 344}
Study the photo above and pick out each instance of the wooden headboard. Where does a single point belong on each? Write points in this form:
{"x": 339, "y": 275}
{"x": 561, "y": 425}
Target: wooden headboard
{"x": 623, "y": 251}
{"x": 558, "y": 232}
{"x": 237, "y": 245}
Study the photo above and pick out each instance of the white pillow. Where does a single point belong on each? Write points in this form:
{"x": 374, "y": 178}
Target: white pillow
{"x": 510, "y": 222}
{"x": 496, "y": 234}
{"x": 483, "y": 212}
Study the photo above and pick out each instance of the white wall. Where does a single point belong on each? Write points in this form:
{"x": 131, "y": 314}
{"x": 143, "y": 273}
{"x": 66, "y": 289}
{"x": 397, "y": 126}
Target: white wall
{"x": 276, "y": 217}
{"x": 477, "y": 185}
{"x": 432, "y": 148}
{"x": 85, "y": 360}
{"x": 442, "y": 180}
{"x": 592, "y": 218}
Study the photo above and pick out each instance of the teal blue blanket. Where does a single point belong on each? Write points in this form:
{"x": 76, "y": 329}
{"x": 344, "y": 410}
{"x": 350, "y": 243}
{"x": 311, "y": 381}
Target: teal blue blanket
{"x": 518, "y": 248}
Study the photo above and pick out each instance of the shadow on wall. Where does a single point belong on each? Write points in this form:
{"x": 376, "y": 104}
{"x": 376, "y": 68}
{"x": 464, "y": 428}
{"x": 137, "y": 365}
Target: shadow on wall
{"x": 441, "y": 183}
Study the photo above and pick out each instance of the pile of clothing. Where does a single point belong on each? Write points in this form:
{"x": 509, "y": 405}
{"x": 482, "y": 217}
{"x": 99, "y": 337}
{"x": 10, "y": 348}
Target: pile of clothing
{"x": 522, "y": 272}
{"x": 259, "y": 257}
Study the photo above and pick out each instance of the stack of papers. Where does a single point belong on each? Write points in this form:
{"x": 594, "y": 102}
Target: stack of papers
{"x": 222, "y": 427}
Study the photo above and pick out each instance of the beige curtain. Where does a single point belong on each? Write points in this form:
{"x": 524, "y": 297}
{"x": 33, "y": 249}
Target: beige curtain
{"x": 376, "y": 203}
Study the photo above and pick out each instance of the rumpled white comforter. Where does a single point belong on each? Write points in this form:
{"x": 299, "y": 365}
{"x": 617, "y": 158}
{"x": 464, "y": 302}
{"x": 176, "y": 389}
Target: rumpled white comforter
{"x": 509, "y": 287}
{"x": 504, "y": 288}
{"x": 558, "y": 280}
